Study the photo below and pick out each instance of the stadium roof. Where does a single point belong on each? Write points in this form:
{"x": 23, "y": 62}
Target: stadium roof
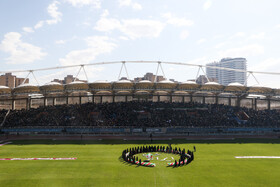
{"x": 166, "y": 82}
{"x": 123, "y": 81}
{"x": 26, "y": 89}
{"x": 52, "y": 83}
{"x": 4, "y": 87}
{"x": 5, "y": 90}
{"x": 101, "y": 82}
{"x": 145, "y": 81}
{"x": 189, "y": 82}
{"x": 236, "y": 84}
{"x": 52, "y": 87}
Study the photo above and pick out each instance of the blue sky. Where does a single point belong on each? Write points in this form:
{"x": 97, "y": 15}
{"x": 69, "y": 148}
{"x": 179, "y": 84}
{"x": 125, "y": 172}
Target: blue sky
{"x": 46, "y": 33}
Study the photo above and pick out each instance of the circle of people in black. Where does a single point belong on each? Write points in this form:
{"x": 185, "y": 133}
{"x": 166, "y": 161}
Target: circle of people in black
{"x": 128, "y": 155}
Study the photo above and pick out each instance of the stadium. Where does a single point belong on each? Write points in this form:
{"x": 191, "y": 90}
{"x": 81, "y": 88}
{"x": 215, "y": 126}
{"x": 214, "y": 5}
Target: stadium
{"x": 92, "y": 133}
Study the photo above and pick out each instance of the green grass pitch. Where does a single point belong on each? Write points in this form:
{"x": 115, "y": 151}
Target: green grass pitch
{"x": 98, "y": 164}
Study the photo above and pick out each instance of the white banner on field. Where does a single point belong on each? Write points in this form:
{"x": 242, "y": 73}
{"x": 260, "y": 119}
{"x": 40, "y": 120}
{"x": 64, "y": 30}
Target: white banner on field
{"x": 38, "y": 158}
{"x": 257, "y": 157}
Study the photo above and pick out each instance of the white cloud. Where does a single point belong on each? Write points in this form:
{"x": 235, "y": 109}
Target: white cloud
{"x": 124, "y": 2}
{"x": 86, "y": 23}
{"x": 200, "y": 41}
{"x": 268, "y": 64}
{"x": 39, "y": 25}
{"x": 258, "y": 36}
{"x": 105, "y": 13}
{"x": 20, "y": 52}
{"x": 129, "y": 3}
{"x": 92, "y": 72}
{"x": 207, "y": 4}
{"x": 278, "y": 26}
{"x": 60, "y": 42}
{"x": 136, "y": 6}
{"x": 176, "y": 21}
{"x": 138, "y": 28}
{"x": 107, "y": 24}
{"x": 245, "y": 51}
{"x": 238, "y": 35}
{"x": 123, "y": 38}
{"x": 133, "y": 28}
{"x": 201, "y": 60}
{"x": 184, "y": 34}
{"x": 53, "y": 12}
{"x": 219, "y": 45}
{"x": 81, "y": 3}
{"x": 97, "y": 45}
{"x": 27, "y": 29}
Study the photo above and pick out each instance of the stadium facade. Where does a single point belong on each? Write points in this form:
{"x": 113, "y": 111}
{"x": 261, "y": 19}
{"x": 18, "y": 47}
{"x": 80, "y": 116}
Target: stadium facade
{"x": 77, "y": 92}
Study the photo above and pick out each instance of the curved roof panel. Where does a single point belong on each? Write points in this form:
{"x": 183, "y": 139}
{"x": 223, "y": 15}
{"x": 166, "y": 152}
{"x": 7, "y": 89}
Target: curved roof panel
{"x": 52, "y": 87}
{"x": 145, "y": 81}
{"x": 26, "y": 89}
{"x": 259, "y": 89}
{"x": 123, "y": 84}
{"x": 235, "y": 87}
{"x": 235, "y": 84}
{"x": 100, "y": 85}
{"x": 144, "y": 84}
{"x": 165, "y": 84}
{"x": 76, "y": 86}
{"x": 4, "y": 90}
{"x": 211, "y": 86}
{"x": 188, "y": 85}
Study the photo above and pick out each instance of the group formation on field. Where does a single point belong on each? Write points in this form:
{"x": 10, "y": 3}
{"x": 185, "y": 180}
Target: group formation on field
{"x": 128, "y": 155}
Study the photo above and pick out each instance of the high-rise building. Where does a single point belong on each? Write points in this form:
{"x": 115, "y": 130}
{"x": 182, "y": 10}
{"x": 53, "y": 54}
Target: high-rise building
{"x": 226, "y": 77}
{"x": 68, "y": 79}
{"x": 11, "y": 81}
{"x": 202, "y": 79}
{"x": 151, "y": 77}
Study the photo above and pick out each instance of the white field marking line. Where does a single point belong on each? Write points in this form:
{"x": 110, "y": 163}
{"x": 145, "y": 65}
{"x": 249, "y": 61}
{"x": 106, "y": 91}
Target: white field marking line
{"x": 38, "y": 158}
{"x": 257, "y": 157}
{"x": 5, "y": 143}
{"x": 155, "y": 179}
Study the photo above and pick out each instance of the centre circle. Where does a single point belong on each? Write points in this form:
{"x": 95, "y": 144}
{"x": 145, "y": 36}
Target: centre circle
{"x": 159, "y": 158}
{"x": 151, "y": 156}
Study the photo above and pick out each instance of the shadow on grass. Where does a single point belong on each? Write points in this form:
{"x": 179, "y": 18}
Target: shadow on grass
{"x": 136, "y": 166}
{"x": 129, "y": 164}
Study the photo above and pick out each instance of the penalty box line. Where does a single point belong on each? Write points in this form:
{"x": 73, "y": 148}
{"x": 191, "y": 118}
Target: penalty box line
{"x": 257, "y": 157}
{"x": 5, "y": 143}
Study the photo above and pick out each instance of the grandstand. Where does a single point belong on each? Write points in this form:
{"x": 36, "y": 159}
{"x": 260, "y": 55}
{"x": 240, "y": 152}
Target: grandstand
{"x": 132, "y": 118}
{"x": 126, "y": 107}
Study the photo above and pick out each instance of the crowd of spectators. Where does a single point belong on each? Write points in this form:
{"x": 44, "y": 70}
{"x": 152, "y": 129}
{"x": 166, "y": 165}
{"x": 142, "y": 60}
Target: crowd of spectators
{"x": 141, "y": 114}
